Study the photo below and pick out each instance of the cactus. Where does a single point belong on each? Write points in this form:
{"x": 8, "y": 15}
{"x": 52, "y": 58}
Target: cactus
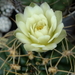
{"x": 62, "y": 5}
{"x": 55, "y": 4}
{"x": 15, "y": 60}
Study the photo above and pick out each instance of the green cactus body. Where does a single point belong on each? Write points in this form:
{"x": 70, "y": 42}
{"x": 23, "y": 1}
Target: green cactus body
{"x": 60, "y": 4}
{"x": 58, "y": 61}
{"x": 55, "y": 4}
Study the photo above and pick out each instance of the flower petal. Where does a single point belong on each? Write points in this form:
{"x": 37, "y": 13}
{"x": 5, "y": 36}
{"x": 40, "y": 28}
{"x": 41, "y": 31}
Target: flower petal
{"x": 44, "y": 31}
{"x": 34, "y": 39}
{"x": 29, "y": 47}
{"x": 57, "y": 32}
{"x": 58, "y": 17}
{"x": 53, "y": 23}
{"x": 37, "y": 45}
{"x": 39, "y": 17}
{"x": 59, "y": 28}
{"x": 20, "y": 17}
{"x": 29, "y": 11}
{"x": 29, "y": 23}
{"x": 45, "y": 7}
{"x": 44, "y": 39}
{"x": 17, "y": 31}
{"x": 38, "y": 34}
{"x": 22, "y": 38}
{"x": 49, "y": 46}
{"x": 50, "y": 15}
{"x": 21, "y": 25}
{"x": 60, "y": 37}
{"x": 34, "y": 20}
{"x": 50, "y": 31}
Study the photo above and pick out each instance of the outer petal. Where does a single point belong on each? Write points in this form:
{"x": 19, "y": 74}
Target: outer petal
{"x": 52, "y": 22}
{"x": 34, "y": 39}
{"x": 29, "y": 23}
{"x": 17, "y": 31}
{"x": 29, "y": 47}
{"x": 44, "y": 39}
{"x": 38, "y": 45}
{"x": 57, "y": 32}
{"x": 29, "y": 11}
{"x": 58, "y": 17}
{"x": 50, "y": 31}
{"x": 49, "y": 46}
{"x": 21, "y": 25}
{"x": 60, "y": 37}
{"x": 22, "y": 38}
{"x": 20, "y": 17}
{"x": 45, "y": 7}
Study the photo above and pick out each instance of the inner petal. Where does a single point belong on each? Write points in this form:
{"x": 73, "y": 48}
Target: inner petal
{"x": 40, "y": 25}
{"x": 36, "y": 22}
{"x": 44, "y": 39}
{"x": 38, "y": 34}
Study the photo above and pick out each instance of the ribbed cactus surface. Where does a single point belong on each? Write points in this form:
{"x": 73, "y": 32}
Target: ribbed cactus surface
{"x": 15, "y": 60}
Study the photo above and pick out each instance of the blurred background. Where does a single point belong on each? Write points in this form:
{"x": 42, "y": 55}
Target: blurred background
{"x": 9, "y": 8}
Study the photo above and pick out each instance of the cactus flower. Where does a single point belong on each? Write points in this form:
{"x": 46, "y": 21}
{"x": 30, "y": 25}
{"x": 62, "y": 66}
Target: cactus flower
{"x": 40, "y": 28}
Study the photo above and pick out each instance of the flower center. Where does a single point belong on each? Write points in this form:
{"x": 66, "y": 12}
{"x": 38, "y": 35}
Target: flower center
{"x": 40, "y": 25}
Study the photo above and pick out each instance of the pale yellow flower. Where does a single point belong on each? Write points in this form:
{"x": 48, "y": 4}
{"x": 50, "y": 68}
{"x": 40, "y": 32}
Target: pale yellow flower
{"x": 40, "y": 28}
